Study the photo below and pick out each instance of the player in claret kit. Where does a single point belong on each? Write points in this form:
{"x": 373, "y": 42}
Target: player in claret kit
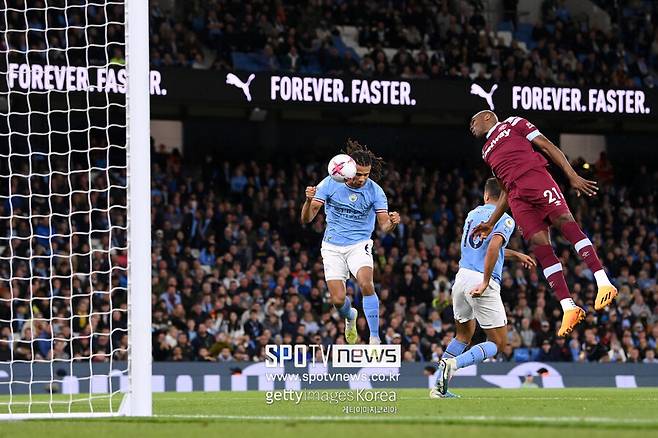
{"x": 537, "y": 203}
{"x": 351, "y": 208}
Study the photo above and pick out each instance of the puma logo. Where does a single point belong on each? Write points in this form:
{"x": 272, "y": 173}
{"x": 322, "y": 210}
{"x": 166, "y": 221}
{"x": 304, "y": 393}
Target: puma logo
{"x": 232, "y": 79}
{"x": 479, "y": 91}
{"x": 367, "y": 249}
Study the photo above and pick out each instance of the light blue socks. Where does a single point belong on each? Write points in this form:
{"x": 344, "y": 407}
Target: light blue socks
{"x": 454, "y": 349}
{"x": 371, "y": 309}
{"x": 345, "y": 310}
{"x": 477, "y": 354}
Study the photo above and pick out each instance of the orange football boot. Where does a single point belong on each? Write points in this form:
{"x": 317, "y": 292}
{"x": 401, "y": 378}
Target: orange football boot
{"x": 570, "y": 319}
{"x": 604, "y": 296}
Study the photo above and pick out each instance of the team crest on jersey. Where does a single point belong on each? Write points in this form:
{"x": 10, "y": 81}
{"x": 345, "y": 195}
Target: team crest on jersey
{"x": 509, "y": 222}
{"x": 475, "y": 241}
{"x": 353, "y": 197}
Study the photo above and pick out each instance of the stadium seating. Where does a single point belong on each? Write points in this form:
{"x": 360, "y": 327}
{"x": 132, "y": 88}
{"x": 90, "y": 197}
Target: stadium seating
{"x": 243, "y": 36}
{"x": 230, "y": 242}
{"x": 254, "y": 255}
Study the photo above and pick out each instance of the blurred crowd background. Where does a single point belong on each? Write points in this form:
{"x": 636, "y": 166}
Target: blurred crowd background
{"x": 411, "y": 39}
{"x": 234, "y": 269}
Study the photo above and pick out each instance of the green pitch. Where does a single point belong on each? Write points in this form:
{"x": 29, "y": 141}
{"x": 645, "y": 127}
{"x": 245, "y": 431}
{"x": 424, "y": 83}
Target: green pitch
{"x": 531, "y": 413}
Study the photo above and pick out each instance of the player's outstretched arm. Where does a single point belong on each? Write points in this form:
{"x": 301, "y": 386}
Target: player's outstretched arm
{"x": 484, "y": 229}
{"x": 580, "y": 184}
{"x": 490, "y": 259}
{"x": 515, "y": 256}
{"x": 311, "y": 206}
{"x": 387, "y": 221}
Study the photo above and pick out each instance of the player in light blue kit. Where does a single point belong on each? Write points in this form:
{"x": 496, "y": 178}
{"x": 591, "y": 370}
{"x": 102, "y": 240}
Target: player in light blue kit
{"x": 351, "y": 208}
{"x": 476, "y": 291}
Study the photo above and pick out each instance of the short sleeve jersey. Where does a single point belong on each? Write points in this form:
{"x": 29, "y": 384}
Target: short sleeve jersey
{"x": 508, "y": 150}
{"x": 351, "y": 212}
{"x": 474, "y": 249}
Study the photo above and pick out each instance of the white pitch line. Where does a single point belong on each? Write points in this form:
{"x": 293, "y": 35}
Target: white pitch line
{"x": 468, "y": 397}
{"x": 437, "y": 419}
{"x": 203, "y": 400}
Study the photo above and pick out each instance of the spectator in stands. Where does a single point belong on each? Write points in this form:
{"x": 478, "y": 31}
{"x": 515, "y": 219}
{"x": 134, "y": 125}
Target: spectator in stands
{"x": 650, "y": 356}
{"x": 527, "y": 334}
{"x": 592, "y": 349}
{"x": 560, "y": 352}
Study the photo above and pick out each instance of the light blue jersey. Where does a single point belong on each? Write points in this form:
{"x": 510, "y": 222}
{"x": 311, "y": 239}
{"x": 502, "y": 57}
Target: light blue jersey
{"x": 474, "y": 249}
{"x": 350, "y": 212}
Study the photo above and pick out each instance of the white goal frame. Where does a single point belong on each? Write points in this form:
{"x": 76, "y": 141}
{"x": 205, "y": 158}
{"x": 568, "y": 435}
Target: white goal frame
{"x": 137, "y": 399}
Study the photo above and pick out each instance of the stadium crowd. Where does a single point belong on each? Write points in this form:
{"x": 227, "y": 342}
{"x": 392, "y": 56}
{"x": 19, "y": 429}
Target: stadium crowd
{"x": 432, "y": 38}
{"x": 410, "y": 39}
{"x": 63, "y": 261}
{"x": 234, "y": 269}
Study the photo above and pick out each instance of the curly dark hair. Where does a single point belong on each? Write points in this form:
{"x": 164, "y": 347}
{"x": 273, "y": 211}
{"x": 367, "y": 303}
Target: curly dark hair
{"x": 365, "y": 157}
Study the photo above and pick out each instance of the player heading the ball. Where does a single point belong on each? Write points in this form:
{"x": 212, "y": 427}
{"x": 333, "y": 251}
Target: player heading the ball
{"x": 351, "y": 208}
{"x": 537, "y": 203}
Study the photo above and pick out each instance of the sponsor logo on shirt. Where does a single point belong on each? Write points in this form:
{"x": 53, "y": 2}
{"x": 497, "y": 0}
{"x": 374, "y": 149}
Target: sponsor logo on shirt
{"x": 349, "y": 213}
{"x": 502, "y": 134}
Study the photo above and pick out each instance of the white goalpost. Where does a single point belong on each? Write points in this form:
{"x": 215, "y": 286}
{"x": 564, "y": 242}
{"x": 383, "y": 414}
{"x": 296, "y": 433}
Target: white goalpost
{"x": 75, "y": 219}
{"x": 139, "y": 216}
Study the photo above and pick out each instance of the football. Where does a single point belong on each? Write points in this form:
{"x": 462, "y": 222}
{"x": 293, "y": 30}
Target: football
{"x": 341, "y": 168}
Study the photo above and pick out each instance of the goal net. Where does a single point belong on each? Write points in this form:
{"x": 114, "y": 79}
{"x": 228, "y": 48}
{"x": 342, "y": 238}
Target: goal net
{"x": 74, "y": 209}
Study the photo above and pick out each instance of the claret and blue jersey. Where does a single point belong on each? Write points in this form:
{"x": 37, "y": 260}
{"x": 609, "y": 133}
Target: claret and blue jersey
{"x": 351, "y": 212}
{"x": 474, "y": 249}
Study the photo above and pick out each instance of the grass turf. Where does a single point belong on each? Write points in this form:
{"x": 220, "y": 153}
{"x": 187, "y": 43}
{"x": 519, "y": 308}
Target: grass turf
{"x": 530, "y": 413}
